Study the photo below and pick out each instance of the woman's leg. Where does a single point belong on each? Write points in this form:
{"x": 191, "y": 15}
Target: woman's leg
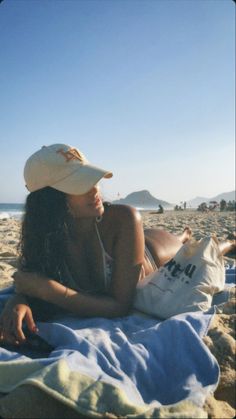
{"x": 229, "y": 245}
{"x": 164, "y": 245}
{"x": 186, "y": 235}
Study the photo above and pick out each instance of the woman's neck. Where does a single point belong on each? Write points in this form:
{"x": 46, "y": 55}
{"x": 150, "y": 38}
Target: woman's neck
{"x": 79, "y": 227}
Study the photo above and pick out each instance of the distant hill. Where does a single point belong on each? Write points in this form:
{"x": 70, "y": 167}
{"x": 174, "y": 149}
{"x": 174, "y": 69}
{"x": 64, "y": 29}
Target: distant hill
{"x": 143, "y": 199}
{"x": 227, "y": 196}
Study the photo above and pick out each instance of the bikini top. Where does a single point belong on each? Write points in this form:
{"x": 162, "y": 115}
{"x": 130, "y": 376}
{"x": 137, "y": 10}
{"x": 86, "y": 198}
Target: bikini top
{"x": 107, "y": 268}
{"x": 108, "y": 262}
{"x": 71, "y": 282}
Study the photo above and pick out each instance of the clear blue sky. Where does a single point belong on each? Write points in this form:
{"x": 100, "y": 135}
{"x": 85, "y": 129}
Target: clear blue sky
{"x": 144, "y": 88}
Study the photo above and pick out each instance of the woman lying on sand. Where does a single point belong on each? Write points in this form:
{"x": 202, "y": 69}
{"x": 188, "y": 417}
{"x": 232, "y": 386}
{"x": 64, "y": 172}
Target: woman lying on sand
{"x": 76, "y": 252}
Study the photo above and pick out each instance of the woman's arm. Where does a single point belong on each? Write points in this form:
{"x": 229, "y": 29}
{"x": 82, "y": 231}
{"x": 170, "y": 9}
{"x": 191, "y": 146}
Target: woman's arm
{"x": 75, "y": 302}
{"x": 128, "y": 258}
{"x": 128, "y": 255}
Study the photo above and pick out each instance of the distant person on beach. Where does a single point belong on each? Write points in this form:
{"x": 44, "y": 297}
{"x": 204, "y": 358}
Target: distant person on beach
{"x": 160, "y": 209}
{"x": 79, "y": 254}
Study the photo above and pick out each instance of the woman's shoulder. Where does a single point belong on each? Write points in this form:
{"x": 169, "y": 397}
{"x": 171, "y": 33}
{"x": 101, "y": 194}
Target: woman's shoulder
{"x": 121, "y": 214}
{"x": 120, "y": 223}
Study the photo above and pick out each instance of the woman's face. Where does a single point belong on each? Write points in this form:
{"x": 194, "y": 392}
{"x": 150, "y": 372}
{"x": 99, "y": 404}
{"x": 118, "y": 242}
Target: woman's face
{"x": 86, "y": 205}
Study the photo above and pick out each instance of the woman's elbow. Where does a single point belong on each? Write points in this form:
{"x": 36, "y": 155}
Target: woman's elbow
{"x": 121, "y": 310}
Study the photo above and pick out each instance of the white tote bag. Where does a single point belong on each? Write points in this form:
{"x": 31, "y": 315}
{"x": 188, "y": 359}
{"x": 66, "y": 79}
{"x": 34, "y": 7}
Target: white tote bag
{"x": 186, "y": 283}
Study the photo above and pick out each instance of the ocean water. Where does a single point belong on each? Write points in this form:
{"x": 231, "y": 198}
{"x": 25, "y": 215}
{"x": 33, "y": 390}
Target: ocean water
{"x": 17, "y": 210}
{"x": 11, "y": 211}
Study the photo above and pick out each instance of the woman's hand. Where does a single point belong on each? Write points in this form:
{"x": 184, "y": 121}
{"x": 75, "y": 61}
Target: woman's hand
{"x": 15, "y": 313}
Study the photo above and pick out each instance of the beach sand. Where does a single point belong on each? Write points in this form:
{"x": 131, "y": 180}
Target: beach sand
{"x": 220, "y": 339}
{"x": 202, "y": 223}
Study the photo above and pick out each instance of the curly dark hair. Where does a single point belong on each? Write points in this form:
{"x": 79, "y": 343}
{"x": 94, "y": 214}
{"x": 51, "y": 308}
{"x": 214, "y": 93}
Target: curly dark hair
{"x": 44, "y": 232}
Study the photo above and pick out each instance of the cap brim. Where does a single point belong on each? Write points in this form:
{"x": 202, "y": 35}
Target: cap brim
{"x": 82, "y": 180}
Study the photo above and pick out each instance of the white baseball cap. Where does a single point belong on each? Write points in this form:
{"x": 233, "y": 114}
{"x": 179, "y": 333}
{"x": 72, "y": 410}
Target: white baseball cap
{"x": 63, "y": 168}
